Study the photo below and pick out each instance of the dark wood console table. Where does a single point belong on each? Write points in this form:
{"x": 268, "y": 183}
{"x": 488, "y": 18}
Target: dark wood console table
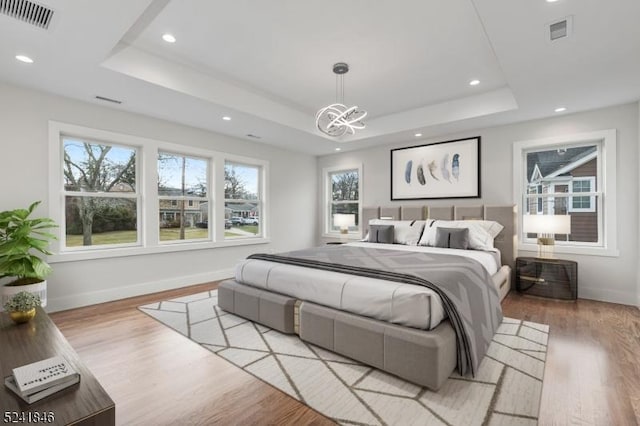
{"x": 86, "y": 403}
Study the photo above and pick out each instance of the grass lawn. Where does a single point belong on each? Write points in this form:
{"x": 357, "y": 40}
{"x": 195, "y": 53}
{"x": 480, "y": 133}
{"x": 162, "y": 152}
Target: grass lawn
{"x": 123, "y": 237}
{"x": 250, "y": 228}
{"x": 115, "y": 237}
{"x": 172, "y": 234}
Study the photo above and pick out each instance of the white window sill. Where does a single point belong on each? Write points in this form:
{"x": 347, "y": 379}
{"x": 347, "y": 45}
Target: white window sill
{"x": 337, "y": 235}
{"x": 587, "y": 251}
{"x": 73, "y": 256}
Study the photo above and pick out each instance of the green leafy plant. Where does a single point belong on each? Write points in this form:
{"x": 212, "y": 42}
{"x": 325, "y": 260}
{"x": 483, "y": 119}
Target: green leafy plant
{"x": 22, "y": 302}
{"x": 21, "y": 238}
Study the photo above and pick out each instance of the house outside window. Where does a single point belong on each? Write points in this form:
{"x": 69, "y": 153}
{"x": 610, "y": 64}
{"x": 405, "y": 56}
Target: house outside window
{"x": 562, "y": 172}
{"x": 564, "y": 176}
{"x": 342, "y": 195}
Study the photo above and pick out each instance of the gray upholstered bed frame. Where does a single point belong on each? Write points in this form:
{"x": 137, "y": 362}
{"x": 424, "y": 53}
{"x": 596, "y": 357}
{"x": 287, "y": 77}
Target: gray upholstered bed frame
{"x": 420, "y": 356}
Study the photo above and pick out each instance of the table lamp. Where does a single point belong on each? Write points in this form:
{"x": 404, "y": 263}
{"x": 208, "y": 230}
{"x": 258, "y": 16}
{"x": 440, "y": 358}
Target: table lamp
{"x": 546, "y": 226}
{"x": 344, "y": 221}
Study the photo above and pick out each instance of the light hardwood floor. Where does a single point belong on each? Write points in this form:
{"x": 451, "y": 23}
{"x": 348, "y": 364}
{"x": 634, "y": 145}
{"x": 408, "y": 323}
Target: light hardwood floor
{"x": 157, "y": 376}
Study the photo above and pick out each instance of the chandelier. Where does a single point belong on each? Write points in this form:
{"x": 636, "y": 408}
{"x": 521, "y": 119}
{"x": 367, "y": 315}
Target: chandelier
{"x": 337, "y": 119}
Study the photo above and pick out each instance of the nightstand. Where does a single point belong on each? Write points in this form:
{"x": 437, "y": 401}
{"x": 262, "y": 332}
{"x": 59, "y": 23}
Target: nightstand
{"x": 555, "y": 278}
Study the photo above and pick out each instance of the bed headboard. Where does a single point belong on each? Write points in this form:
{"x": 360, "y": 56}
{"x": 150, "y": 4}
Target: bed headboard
{"x": 506, "y": 241}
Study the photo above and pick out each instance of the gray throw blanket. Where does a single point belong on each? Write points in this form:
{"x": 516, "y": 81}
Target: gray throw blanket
{"x": 468, "y": 295}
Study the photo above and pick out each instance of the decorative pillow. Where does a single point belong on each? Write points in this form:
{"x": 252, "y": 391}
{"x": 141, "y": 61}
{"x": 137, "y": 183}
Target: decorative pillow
{"x": 405, "y": 232}
{"x": 381, "y": 234}
{"x": 456, "y": 238}
{"x": 479, "y": 238}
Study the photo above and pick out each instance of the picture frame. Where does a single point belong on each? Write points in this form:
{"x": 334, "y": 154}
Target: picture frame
{"x": 448, "y": 169}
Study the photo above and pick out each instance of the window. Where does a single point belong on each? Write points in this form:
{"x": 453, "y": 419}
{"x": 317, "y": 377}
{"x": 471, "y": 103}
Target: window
{"x": 342, "y": 196}
{"x": 243, "y": 200}
{"x": 565, "y": 176}
{"x": 101, "y": 196}
{"x": 119, "y": 195}
{"x": 183, "y": 203}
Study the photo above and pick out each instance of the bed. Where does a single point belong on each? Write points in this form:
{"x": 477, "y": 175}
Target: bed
{"x": 380, "y": 315}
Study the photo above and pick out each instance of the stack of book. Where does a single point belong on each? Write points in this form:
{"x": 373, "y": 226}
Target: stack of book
{"x": 32, "y": 382}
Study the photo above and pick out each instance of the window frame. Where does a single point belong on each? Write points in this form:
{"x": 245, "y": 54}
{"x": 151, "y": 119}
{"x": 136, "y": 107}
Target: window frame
{"x": 262, "y": 167}
{"x": 606, "y": 194}
{"x": 187, "y": 198}
{"x": 137, "y": 196}
{"x": 146, "y": 179}
{"x": 327, "y": 201}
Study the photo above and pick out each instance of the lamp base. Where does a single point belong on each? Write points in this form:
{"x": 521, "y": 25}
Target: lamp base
{"x": 546, "y": 247}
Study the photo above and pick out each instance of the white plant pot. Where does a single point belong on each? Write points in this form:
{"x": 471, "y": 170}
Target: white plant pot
{"x": 39, "y": 289}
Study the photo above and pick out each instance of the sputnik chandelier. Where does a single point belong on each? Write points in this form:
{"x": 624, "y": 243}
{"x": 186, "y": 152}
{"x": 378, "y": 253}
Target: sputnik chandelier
{"x": 338, "y": 119}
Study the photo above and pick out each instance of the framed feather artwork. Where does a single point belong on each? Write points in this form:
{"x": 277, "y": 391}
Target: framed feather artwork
{"x": 449, "y": 169}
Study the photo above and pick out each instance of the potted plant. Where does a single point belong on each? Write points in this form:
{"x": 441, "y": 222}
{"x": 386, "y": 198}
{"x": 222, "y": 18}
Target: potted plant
{"x": 22, "y": 239}
{"x": 22, "y": 306}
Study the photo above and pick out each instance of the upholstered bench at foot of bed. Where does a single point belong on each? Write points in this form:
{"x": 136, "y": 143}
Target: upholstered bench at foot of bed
{"x": 423, "y": 357}
{"x": 270, "y": 309}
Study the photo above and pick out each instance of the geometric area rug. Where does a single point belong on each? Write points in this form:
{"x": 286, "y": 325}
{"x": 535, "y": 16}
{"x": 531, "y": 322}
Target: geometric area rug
{"x": 506, "y": 390}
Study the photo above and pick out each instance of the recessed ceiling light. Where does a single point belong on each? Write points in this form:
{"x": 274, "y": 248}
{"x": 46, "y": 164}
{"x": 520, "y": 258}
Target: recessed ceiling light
{"x": 338, "y": 149}
{"x": 551, "y": 1}
{"x": 417, "y": 135}
{"x": 226, "y": 118}
{"x": 560, "y": 109}
{"x": 25, "y": 59}
{"x": 169, "y": 38}
{"x": 474, "y": 82}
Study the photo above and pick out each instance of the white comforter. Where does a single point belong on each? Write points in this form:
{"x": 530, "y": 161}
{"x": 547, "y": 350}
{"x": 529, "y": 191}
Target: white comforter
{"x": 398, "y": 303}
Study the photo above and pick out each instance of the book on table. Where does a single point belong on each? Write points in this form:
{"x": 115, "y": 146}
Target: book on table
{"x": 35, "y": 381}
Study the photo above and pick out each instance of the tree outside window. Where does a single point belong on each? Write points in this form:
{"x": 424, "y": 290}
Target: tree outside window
{"x": 101, "y": 197}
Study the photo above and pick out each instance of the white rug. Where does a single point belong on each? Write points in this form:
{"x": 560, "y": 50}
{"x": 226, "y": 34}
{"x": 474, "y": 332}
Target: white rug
{"x": 506, "y": 390}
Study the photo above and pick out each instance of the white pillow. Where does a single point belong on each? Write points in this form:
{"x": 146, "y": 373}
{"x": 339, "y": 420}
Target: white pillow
{"x": 405, "y": 232}
{"x": 491, "y": 226}
{"x": 479, "y": 238}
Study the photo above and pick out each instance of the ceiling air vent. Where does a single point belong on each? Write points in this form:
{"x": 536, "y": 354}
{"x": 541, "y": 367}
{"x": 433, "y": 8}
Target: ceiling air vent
{"x": 251, "y": 135}
{"x": 27, "y": 11}
{"x": 560, "y": 29}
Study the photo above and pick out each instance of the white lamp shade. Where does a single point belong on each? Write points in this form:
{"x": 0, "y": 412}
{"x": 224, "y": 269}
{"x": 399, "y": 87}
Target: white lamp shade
{"x": 547, "y": 224}
{"x": 344, "y": 220}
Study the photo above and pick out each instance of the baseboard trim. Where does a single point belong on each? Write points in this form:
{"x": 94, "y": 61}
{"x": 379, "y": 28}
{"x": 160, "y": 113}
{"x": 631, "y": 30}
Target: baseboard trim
{"x": 108, "y": 295}
{"x": 606, "y": 295}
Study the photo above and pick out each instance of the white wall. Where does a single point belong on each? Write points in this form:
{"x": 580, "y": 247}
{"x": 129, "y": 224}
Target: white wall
{"x": 24, "y": 116}
{"x": 638, "y": 218}
{"x": 612, "y": 279}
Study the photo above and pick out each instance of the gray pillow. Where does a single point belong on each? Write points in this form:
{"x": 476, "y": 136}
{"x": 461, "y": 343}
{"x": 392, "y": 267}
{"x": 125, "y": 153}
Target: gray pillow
{"x": 456, "y": 238}
{"x": 381, "y": 234}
